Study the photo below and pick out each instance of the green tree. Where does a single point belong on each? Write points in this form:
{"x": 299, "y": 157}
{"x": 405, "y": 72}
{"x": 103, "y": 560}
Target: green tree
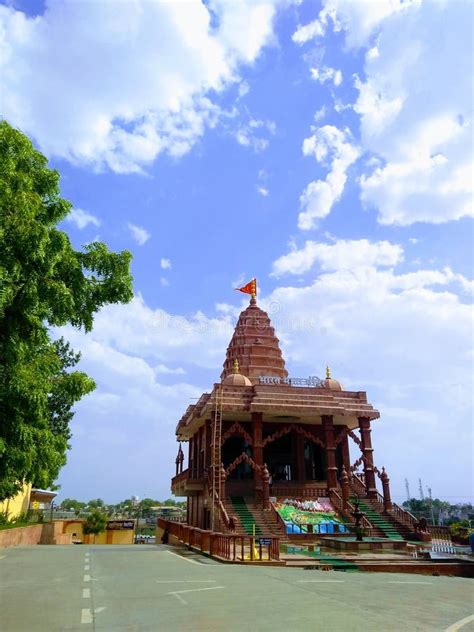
{"x": 69, "y": 504}
{"x": 95, "y": 523}
{"x": 97, "y": 503}
{"x": 44, "y": 283}
{"x": 145, "y": 506}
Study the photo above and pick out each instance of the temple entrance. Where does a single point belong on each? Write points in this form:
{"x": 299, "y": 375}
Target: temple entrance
{"x": 280, "y": 460}
{"x": 231, "y": 450}
{"x": 314, "y": 462}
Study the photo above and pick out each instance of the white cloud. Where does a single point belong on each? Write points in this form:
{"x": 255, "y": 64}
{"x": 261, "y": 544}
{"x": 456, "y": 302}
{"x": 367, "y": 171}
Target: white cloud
{"x": 332, "y": 146}
{"x": 263, "y": 191}
{"x": 136, "y": 329}
{"x": 162, "y": 368}
{"x": 255, "y": 134}
{"x": 430, "y": 182}
{"x": 308, "y": 32}
{"x": 327, "y": 74}
{"x": 82, "y": 218}
{"x": 340, "y": 255}
{"x": 320, "y": 114}
{"x": 164, "y": 282}
{"x": 139, "y": 234}
{"x": 415, "y": 107}
{"x": 360, "y": 19}
{"x": 129, "y": 84}
{"x": 414, "y": 103}
{"x": 165, "y": 264}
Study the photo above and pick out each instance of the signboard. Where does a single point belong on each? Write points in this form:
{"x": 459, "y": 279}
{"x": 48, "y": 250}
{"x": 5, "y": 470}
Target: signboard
{"x": 115, "y": 525}
{"x": 311, "y": 381}
{"x": 264, "y": 541}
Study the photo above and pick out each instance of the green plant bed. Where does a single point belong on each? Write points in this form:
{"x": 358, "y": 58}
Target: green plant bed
{"x": 16, "y": 525}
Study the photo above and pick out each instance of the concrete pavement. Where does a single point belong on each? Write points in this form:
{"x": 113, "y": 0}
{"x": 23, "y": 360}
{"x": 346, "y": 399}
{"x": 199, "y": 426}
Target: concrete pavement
{"x": 158, "y": 588}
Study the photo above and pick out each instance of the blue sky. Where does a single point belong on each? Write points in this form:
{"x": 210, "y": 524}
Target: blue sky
{"x": 325, "y": 148}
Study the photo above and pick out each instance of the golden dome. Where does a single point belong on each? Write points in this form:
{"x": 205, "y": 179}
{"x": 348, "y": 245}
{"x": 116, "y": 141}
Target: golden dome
{"x": 331, "y": 383}
{"x": 236, "y": 378}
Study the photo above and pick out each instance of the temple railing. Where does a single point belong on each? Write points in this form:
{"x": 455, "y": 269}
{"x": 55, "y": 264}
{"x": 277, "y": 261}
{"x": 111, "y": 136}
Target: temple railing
{"x": 234, "y": 548}
{"x": 403, "y": 515}
{"x": 185, "y": 481}
{"x": 180, "y": 478}
{"x": 277, "y": 518}
{"x": 357, "y": 484}
{"x": 346, "y": 509}
{"x": 222, "y": 512}
{"x": 298, "y": 491}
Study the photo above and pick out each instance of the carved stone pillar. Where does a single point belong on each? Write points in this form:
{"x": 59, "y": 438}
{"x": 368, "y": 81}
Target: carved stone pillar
{"x": 387, "y": 500}
{"x": 331, "y": 468}
{"x": 257, "y": 429}
{"x": 344, "y": 480}
{"x": 346, "y": 457}
{"x": 265, "y": 488}
{"x": 367, "y": 452}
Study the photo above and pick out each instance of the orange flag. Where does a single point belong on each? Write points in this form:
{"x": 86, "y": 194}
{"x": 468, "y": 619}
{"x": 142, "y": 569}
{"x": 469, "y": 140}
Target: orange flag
{"x": 249, "y": 288}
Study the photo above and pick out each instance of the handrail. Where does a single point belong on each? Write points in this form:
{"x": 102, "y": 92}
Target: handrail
{"x": 405, "y": 516}
{"x": 357, "y": 484}
{"x": 222, "y": 510}
{"x": 279, "y": 519}
{"x": 347, "y": 509}
{"x": 182, "y": 476}
{"x": 231, "y": 547}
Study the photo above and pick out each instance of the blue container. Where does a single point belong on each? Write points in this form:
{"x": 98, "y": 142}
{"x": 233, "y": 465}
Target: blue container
{"x": 471, "y": 541}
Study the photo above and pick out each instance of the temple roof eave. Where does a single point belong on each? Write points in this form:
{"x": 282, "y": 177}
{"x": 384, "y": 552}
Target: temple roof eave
{"x": 277, "y": 401}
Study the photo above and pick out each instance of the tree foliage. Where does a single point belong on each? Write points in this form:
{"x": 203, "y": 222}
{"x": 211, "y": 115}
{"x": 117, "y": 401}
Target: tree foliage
{"x": 44, "y": 282}
{"x": 95, "y": 523}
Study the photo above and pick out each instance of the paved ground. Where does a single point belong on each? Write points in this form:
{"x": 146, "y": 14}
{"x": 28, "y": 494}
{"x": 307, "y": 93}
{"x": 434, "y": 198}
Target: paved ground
{"x": 152, "y": 588}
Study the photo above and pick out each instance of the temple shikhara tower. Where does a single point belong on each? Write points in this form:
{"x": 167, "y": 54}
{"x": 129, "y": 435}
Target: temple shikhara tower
{"x": 271, "y": 453}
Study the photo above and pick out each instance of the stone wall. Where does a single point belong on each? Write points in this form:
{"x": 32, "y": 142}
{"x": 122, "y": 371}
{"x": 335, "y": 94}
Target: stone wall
{"x": 47, "y": 533}
{"x": 21, "y": 536}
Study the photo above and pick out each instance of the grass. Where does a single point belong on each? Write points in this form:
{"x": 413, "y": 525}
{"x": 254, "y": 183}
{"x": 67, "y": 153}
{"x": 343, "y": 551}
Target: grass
{"x": 14, "y": 525}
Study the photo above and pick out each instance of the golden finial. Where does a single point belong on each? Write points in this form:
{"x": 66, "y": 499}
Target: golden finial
{"x": 328, "y": 373}
{"x": 235, "y": 366}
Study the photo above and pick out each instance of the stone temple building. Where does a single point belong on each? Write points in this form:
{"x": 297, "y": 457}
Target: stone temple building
{"x": 261, "y": 438}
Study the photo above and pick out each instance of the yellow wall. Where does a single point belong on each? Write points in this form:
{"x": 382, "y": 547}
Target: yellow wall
{"x": 74, "y": 527}
{"x": 113, "y": 536}
{"x": 18, "y": 504}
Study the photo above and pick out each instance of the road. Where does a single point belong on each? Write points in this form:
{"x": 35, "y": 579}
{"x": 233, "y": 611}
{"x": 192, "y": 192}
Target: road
{"x": 163, "y": 589}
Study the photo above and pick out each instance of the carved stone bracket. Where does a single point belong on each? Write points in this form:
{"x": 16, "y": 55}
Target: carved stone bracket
{"x": 236, "y": 429}
{"x": 291, "y": 428}
{"x": 355, "y": 438}
{"x": 357, "y": 464}
{"x": 238, "y": 461}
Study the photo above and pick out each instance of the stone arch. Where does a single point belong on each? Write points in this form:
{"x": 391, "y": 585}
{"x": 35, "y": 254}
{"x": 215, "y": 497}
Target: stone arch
{"x": 238, "y": 461}
{"x": 236, "y": 429}
{"x": 293, "y": 427}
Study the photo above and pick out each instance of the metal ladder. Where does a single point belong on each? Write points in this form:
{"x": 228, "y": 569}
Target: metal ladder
{"x": 216, "y": 459}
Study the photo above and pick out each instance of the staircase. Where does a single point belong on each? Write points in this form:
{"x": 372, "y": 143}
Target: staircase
{"x": 245, "y": 517}
{"x": 266, "y": 520}
{"x": 401, "y": 528}
{"x": 382, "y": 523}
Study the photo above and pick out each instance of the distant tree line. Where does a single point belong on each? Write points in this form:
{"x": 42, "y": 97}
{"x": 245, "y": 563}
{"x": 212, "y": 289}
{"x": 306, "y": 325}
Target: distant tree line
{"x": 128, "y": 508}
{"x": 440, "y": 511}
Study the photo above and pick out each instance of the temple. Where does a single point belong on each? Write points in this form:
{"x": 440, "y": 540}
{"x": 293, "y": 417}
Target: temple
{"x": 265, "y": 449}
